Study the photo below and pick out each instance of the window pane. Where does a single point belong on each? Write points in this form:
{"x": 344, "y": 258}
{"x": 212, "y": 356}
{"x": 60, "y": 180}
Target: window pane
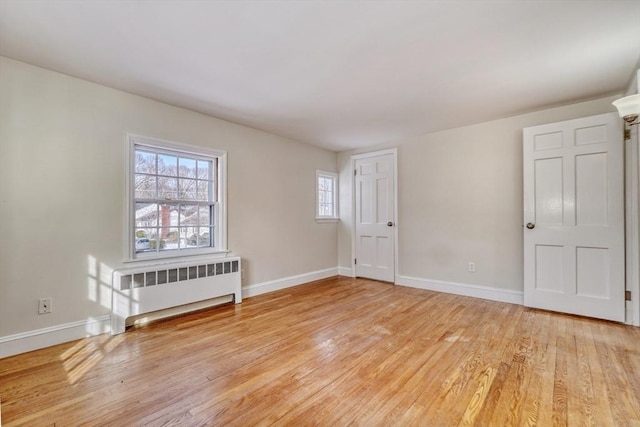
{"x": 169, "y": 218}
{"x": 188, "y": 215}
{"x": 145, "y": 186}
{"x": 146, "y": 215}
{"x": 145, "y": 162}
{"x": 154, "y": 245}
{"x": 188, "y": 189}
{"x": 326, "y": 209}
{"x": 203, "y": 190}
{"x": 204, "y": 168}
{"x": 148, "y": 232}
{"x": 204, "y": 239}
{"x": 167, "y": 188}
{"x": 326, "y": 183}
{"x": 146, "y": 239}
{"x": 191, "y": 234}
{"x": 203, "y": 215}
{"x": 186, "y": 167}
{"x": 167, "y": 165}
{"x": 186, "y": 237}
{"x": 169, "y": 239}
{"x": 142, "y": 239}
{"x": 154, "y": 233}
{"x": 154, "y": 240}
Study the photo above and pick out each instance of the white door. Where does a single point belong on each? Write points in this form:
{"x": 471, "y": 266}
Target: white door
{"x": 574, "y": 217}
{"x": 375, "y": 222}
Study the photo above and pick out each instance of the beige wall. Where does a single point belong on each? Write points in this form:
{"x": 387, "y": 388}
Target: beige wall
{"x": 460, "y": 200}
{"x": 62, "y": 195}
{"x": 62, "y": 199}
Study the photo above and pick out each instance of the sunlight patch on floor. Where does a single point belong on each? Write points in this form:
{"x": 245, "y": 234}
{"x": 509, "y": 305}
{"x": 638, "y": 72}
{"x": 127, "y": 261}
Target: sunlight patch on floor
{"x": 86, "y": 354}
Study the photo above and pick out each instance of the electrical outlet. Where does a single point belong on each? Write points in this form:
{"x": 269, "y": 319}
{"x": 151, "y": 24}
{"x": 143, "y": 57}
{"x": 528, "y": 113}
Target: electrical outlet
{"x": 472, "y": 267}
{"x": 44, "y": 305}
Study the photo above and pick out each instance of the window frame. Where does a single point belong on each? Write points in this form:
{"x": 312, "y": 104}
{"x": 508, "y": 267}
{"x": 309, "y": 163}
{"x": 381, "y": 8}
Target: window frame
{"x": 220, "y": 206}
{"x": 334, "y": 179}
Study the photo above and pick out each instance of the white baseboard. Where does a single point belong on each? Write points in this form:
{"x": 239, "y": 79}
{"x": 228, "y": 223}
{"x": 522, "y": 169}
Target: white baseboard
{"x": 46, "y": 337}
{"x": 476, "y": 291}
{"x": 346, "y": 271}
{"x": 287, "y": 282}
{"x": 33, "y": 340}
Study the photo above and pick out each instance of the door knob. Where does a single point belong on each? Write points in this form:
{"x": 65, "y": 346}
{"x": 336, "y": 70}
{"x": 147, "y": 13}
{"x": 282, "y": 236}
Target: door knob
{"x": 389, "y": 224}
{"x": 531, "y": 225}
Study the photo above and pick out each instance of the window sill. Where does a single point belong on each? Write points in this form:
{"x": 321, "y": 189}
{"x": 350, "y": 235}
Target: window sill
{"x": 177, "y": 257}
{"x": 320, "y": 220}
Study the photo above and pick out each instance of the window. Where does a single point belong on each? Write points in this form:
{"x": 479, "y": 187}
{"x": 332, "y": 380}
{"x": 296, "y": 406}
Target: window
{"x": 177, "y": 199}
{"x": 326, "y": 195}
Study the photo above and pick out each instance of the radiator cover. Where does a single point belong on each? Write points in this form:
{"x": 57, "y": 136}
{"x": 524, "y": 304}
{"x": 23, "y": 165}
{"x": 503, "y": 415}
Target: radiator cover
{"x": 143, "y": 289}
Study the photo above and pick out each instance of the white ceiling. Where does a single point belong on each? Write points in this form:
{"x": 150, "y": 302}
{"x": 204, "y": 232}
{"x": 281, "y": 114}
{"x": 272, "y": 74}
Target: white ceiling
{"x": 338, "y": 74}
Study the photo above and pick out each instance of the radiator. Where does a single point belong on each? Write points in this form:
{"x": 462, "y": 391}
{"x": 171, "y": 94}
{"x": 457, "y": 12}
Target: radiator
{"x": 143, "y": 289}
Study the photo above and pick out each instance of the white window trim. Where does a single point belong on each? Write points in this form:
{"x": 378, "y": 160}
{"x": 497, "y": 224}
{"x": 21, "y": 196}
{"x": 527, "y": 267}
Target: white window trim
{"x": 334, "y": 177}
{"x": 221, "y": 224}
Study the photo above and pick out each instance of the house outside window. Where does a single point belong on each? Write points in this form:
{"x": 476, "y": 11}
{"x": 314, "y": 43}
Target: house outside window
{"x": 326, "y": 196}
{"x": 177, "y": 199}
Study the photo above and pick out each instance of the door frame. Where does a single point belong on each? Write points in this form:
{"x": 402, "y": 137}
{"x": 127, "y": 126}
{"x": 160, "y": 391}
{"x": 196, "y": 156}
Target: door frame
{"x": 354, "y": 157}
{"x": 632, "y": 222}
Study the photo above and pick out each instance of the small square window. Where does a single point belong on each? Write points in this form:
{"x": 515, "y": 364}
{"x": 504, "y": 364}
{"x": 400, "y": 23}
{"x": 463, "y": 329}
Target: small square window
{"x": 326, "y": 195}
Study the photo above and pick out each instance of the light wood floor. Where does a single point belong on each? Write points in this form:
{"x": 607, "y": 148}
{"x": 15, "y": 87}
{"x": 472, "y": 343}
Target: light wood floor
{"x": 336, "y": 352}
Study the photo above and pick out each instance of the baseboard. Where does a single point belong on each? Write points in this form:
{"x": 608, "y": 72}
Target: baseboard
{"x": 40, "y": 338}
{"x": 287, "y": 282}
{"x": 476, "y": 291}
{"x": 53, "y": 335}
{"x": 346, "y": 271}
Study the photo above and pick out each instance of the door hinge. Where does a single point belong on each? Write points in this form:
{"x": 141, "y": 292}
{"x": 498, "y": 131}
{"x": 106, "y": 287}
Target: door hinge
{"x": 355, "y": 172}
{"x": 355, "y": 260}
{"x": 627, "y": 134}
{"x": 627, "y": 295}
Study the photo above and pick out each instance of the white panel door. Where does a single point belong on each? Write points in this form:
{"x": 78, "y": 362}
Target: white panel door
{"x": 374, "y": 199}
{"x": 574, "y": 217}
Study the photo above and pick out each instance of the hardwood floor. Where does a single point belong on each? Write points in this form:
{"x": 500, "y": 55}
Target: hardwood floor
{"x": 338, "y": 352}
